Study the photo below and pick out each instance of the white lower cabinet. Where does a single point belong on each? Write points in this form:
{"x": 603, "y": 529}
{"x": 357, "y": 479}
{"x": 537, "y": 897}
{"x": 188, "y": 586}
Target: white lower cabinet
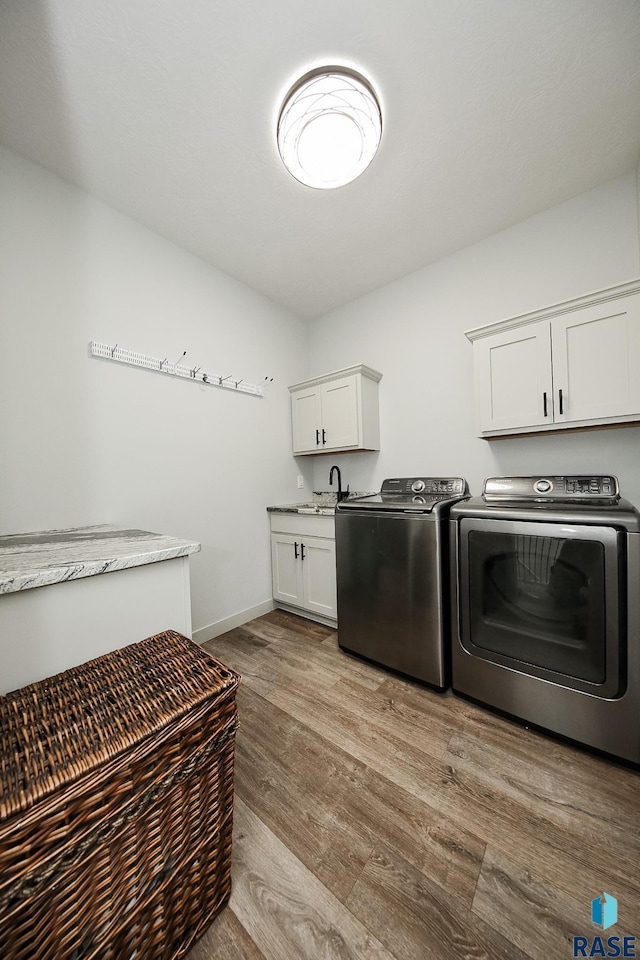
{"x": 303, "y": 565}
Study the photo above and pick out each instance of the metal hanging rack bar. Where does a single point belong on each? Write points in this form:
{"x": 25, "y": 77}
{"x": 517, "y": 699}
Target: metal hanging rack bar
{"x": 196, "y": 374}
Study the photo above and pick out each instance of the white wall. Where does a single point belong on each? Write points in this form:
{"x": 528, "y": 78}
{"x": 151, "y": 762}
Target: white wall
{"x": 638, "y": 193}
{"x": 412, "y": 331}
{"x": 83, "y": 441}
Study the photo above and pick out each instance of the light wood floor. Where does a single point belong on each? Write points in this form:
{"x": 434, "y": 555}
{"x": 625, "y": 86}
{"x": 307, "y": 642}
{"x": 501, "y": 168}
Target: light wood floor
{"x": 377, "y": 819}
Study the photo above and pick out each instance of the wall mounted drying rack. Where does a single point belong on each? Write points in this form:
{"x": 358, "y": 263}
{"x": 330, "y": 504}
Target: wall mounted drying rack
{"x": 196, "y": 374}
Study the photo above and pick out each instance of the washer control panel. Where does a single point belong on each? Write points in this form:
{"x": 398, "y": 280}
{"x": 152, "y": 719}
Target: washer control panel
{"x": 425, "y": 486}
{"x": 594, "y": 488}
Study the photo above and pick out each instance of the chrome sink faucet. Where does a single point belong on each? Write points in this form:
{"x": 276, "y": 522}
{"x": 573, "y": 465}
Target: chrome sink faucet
{"x": 342, "y": 494}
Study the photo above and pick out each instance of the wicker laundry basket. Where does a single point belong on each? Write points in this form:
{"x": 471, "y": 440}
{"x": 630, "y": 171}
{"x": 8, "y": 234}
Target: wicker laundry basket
{"x": 116, "y": 805}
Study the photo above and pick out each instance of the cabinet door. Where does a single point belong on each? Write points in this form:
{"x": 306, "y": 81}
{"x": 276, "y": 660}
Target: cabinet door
{"x": 286, "y": 568}
{"x": 513, "y": 378}
{"x": 319, "y": 576}
{"x": 596, "y": 361}
{"x": 306, "y": 420}
{"x": 340, "y": 413}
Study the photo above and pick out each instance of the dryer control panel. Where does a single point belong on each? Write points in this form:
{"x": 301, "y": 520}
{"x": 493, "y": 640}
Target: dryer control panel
{"x": 601, "y": 489}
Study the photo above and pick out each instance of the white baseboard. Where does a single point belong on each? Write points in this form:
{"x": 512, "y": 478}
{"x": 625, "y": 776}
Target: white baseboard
{"x": 229, "y": 623}
{"x": 307, "y": 614}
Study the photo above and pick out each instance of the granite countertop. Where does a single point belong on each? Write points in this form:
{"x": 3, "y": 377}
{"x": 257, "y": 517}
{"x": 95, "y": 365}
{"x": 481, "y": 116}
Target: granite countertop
{"x": 38, "y": 559}
{"x": 322, "y": 504}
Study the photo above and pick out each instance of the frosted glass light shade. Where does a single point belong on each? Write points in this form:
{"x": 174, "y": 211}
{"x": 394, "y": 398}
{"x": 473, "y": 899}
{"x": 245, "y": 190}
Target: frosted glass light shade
{"x": 329, "y": 127}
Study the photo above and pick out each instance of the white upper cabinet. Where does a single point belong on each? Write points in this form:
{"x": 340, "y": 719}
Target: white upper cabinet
{"x": 336, "y": 412}
{"x": 341, "y": 412}
{"x": 596, "y": 361}
{"x": 576, "y": 364}
{"x": 306, "y": 416}
{"x": 513, "y": 373}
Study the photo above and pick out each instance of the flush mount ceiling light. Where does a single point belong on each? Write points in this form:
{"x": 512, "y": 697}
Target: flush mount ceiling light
{"x": 329, "y": 127}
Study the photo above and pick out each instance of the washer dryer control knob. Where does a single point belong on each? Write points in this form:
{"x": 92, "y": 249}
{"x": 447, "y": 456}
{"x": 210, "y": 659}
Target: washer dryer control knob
{"x": 417, "y": 486}
{"x": 543, "y": 486}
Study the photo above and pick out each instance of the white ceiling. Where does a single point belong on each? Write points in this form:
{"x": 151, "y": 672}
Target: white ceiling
{"x": 492, "y": 109}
